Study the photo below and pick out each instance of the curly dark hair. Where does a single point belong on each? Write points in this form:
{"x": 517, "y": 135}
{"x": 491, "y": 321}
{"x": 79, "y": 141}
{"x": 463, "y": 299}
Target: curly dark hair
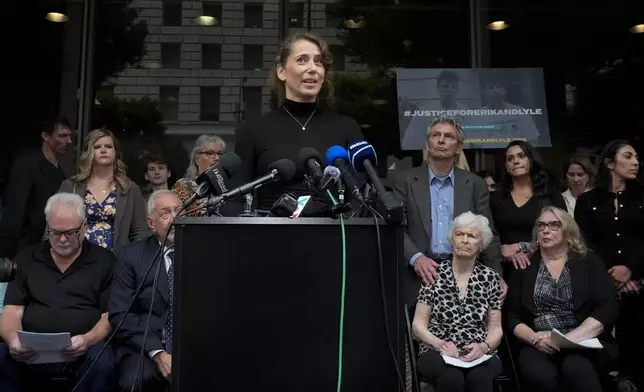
{"x": 604, "y": 175}
{"x": 542, "y": 185}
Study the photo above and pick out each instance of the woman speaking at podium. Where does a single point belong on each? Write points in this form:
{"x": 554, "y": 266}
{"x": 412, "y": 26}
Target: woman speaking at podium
{"x": 300, "y": 80}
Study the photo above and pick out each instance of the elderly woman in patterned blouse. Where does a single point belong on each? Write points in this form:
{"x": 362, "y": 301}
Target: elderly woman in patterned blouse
{"x": 205, "y": 152}
{"x": 460, "y": 315}
{"x": 565, "y": 287}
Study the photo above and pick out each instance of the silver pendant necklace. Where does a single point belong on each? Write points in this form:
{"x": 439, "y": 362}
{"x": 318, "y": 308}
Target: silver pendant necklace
{"x": 298, "y": 121}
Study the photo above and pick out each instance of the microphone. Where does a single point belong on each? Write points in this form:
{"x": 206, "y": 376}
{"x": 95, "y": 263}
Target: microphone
{"x": 337, "y": 156}
{"x": 215, "y": 179}
{"x": 310, "y": 162}
{"x": 330, "y": 178}
{"x": 363, "y": 159}
{"x": 282, "y": 170}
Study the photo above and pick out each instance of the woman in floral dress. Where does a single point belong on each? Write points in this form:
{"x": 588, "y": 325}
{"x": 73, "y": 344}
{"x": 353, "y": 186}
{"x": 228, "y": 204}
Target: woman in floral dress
{"x": 113, "y": 203}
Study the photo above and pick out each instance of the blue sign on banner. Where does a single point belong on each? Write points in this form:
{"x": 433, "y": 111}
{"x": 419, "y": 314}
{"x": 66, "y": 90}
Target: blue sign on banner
{"x": 494, "y": 106}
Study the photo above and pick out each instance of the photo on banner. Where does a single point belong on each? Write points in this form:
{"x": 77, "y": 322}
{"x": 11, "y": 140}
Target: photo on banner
{"x": 494, "y": 105}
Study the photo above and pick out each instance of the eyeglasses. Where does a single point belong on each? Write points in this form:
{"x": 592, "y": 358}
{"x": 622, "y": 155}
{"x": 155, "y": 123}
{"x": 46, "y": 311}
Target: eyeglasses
{"x": 68, "y": 233}
{"x": 211, "y": 153}
{"x": 554, "y": 225}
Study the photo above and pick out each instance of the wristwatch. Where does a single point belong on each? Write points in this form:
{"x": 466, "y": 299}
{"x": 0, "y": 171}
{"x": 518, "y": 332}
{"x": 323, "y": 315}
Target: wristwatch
{"x": 524, "y": 247}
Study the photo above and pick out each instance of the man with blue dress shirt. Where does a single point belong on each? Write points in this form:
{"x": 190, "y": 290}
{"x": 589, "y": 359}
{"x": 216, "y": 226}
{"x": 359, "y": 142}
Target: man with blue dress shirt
{"x": 434, "y": 194}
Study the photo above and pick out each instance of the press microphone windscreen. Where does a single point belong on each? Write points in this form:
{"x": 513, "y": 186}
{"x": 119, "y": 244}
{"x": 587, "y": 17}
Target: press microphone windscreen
{"x": 230, "y": 162}
{"x": 332, "y": 171}
{"x": 285, "y": 167}
{"x": 361, "y": 151}
{"x": 334, "y": 153}
{"x": 304, "y": 155}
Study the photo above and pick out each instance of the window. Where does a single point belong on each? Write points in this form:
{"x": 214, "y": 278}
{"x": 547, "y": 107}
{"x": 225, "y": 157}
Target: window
{"x": 209, "y": 103}
{"x": 170, "y": 55}
{"x": 252, "y": 97}
{"x": 295, "y": 14}
{"x": 171, "y": 13}
{"x": 253, "y": 57}
{"x": 211, "y": 56}
{"x": 253, "y": 15}
{"x": 212, "y": 9}
{"x": 338, "y": 53}
{"x": 169, "y": 97}
{"x": 334, "y": 19}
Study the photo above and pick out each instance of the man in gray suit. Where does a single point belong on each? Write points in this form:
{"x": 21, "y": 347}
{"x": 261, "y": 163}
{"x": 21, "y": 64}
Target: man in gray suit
{"x": 433, "y": 195}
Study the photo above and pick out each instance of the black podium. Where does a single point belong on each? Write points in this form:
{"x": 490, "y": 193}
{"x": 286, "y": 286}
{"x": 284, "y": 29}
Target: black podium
{"x": 257, "y": 304}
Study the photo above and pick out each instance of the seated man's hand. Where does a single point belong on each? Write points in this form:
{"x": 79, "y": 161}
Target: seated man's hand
{"x": 77, "y": 349}
{"x": 19, "y": 352}
{"x": 164, "y": 363}
{"x": 426, "y": 269}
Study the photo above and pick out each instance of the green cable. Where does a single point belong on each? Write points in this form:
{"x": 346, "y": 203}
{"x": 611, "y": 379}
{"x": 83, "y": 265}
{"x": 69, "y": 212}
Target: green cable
{"x": 342, "y": 294}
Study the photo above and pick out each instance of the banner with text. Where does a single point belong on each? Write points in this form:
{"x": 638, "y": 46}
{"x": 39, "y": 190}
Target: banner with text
{"x": 494, "y": 106}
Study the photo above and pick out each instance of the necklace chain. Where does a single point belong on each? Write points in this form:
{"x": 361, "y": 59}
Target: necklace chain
{"x": 298, "y": 121}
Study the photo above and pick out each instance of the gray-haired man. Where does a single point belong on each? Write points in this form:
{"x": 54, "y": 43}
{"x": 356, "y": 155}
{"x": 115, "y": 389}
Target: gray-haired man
{"x": 62, "y": 285}
{"x": 433, "y": 195}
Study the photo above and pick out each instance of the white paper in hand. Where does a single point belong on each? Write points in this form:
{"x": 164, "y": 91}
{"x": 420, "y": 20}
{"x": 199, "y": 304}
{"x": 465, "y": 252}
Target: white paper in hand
{"x": 563, "y": 342}
{"x": 48, "y": 346}
{"x": 462, "y": 364}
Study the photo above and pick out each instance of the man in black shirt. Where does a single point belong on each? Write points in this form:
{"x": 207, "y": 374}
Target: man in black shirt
{"x": 33, "y": 179}
{"x": 61, "y": 286}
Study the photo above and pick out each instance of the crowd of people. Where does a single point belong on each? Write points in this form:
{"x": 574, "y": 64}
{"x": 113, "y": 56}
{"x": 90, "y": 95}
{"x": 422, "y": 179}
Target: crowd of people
{"x": 487, "y": 261}
{"x": 568, "y": 261}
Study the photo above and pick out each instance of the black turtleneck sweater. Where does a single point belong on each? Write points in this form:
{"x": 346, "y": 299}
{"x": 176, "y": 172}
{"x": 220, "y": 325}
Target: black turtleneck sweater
{"x": 277, "y": 135}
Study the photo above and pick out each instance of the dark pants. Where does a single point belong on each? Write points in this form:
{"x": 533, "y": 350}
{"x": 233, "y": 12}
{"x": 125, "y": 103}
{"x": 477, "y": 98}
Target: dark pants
{"x": 628, "y": 332}
{"x": 569, "y": 371}
{"x": 447, "y": 378}
{"x": 16, "y": 376}
{"x": 149, "y": 379}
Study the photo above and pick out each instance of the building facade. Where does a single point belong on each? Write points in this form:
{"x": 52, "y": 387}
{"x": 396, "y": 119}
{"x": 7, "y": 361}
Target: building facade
{"x": 207, "y": 62}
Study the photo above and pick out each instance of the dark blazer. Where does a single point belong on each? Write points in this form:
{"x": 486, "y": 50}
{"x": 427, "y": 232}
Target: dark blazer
{"x": 129, "y": 224}
{"x": 470, "y": 194}
{"x": 132, "y": 264}
{"x": 593, "y": 292}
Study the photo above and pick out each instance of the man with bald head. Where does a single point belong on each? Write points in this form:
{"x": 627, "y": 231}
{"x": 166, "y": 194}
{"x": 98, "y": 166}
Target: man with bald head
{"x": 61, "y": 286}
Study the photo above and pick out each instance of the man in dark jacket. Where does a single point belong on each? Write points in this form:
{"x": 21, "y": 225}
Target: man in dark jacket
{"x": 34, "y": 178}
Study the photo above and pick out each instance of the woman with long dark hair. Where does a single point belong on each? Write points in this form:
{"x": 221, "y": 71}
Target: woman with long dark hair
{"x": 611, "y": 218}
{"x": 301, "y": 82}
{"x": 526, "y": 188}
